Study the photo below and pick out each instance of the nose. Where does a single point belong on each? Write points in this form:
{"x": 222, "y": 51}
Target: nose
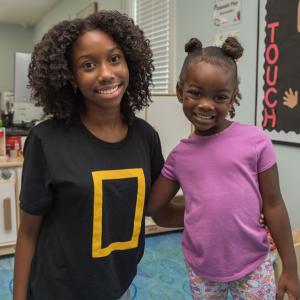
{"x": 105, "y": 73}
{"x": 206, "y": 103}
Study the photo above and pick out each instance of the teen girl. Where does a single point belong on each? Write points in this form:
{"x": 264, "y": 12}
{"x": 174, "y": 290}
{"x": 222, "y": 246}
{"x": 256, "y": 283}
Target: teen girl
{"x": 88, "y": 169}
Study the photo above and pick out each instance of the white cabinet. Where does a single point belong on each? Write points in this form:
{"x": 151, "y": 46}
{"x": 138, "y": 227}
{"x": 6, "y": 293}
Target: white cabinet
{"x": 9, "y": 208}
{"x": 8, "y": 212}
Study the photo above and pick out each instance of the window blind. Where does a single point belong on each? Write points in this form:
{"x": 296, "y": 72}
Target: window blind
{"x": 154, "y": 18}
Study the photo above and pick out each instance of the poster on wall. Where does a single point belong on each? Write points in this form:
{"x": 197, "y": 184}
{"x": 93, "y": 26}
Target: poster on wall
{"x": 278, "y": 82}
{"x": 226, "y": 12}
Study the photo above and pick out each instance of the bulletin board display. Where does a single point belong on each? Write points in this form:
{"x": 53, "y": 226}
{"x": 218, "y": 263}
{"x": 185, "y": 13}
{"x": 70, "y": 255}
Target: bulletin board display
{"x": 278, "y": 76}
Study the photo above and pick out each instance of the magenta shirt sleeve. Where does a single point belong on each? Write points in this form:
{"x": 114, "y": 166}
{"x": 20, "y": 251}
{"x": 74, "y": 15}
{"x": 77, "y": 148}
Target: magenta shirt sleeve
{"x": 169, "y": 170}
{"x": 265, "y": 152}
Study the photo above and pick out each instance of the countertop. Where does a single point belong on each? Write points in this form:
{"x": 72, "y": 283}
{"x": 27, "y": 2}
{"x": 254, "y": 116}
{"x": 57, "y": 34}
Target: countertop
{"x": 6, "y": 162}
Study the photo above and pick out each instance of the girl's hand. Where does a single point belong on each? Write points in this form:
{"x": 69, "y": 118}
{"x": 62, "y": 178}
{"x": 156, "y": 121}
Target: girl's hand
{"x": 288, "y": 284}
{"x": 263, "y": 225}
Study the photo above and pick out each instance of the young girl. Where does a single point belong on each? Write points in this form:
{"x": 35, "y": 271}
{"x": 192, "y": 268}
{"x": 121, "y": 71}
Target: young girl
{"x": 88, "y": 169}
{"x": 228, "y": 175}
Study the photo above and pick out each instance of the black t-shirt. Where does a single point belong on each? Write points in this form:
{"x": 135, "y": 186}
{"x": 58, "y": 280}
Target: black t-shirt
{"x": 92, "y": 195}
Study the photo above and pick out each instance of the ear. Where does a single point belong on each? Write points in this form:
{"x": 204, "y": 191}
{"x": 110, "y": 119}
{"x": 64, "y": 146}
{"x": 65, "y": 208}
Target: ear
{"x": 179, "y": 92}
{"x": 233, "y": 98}
{"x": 73, "y": 83}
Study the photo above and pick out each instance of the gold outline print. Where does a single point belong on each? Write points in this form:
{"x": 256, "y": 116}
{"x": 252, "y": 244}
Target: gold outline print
{"x": 98, "y": 177}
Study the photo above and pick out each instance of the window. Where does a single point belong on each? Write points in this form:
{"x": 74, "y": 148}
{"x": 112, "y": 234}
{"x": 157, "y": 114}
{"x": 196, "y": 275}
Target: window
{"x": 156, "y": 19}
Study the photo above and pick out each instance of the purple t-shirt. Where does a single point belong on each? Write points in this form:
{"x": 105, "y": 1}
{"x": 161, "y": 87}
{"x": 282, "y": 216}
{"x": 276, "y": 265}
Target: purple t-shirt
{"x": 218, "y": 174}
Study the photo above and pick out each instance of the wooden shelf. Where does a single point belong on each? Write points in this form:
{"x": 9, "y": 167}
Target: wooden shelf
{"x": 7, "y": 250}
{"x": 7, "y": 162}
{"x": 154, "y": 229}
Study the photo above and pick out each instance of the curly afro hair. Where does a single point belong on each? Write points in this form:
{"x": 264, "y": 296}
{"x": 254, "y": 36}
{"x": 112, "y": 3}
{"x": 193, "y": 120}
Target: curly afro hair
{"x": 225, "y": 56}
{"x": 50, "y": 74}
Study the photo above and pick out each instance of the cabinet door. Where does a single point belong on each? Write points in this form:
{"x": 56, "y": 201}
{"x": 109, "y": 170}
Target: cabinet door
{"x": 8, "y": 223}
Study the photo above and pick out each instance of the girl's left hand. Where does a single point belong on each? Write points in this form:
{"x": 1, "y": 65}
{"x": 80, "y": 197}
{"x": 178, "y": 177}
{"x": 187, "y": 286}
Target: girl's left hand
{"x": 290, "y": 285}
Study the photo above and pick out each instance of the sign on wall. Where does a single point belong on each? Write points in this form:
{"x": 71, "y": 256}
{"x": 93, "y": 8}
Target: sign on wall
{"x": 226, "y": 12}
{"x": 278, "y": 107}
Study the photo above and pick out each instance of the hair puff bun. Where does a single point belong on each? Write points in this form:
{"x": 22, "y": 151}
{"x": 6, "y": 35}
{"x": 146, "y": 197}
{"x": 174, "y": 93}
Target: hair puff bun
{"x": 193, "y": 45}
{"x": 233, "y": 48}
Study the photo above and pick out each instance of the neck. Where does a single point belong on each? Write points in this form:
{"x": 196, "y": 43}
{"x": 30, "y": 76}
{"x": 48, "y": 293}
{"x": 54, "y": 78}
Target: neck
{"x": 106, "y": 125}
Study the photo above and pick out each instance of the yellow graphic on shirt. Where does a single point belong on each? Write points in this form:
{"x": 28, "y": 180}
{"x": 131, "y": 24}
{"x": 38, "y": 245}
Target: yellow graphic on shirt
{"x": 98, "y": 177}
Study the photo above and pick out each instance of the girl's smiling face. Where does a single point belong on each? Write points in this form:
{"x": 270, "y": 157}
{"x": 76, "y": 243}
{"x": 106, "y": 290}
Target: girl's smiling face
{"x": 207, "y": 93}
{"x": 100, "y": 69}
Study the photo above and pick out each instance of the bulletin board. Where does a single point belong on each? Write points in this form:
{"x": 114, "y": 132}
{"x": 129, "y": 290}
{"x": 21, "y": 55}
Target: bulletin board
{"x": 278, "y": 79}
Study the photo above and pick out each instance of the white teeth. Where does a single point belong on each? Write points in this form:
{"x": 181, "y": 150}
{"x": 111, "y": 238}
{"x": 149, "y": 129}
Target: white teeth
{"x": 203, "y": 116}
{"x": 107, "y": 91}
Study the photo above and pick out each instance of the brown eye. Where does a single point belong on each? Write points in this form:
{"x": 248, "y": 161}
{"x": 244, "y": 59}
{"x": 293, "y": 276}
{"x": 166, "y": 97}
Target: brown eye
{"x": 221, "y": 98}
{"x": 115, "y": 58}
{"x": 196, "y": 93}
{"x": 88, "y": 66}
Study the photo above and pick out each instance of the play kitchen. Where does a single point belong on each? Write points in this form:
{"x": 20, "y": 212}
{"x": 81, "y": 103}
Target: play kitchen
{"x": 12, "y": 138}
{"x": 18, "y": 113}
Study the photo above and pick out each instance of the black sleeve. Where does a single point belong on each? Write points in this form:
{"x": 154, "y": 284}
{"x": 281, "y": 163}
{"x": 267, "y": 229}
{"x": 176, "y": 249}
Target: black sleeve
{"x": 157, "y": 159}
{"x": 36, "y": 196}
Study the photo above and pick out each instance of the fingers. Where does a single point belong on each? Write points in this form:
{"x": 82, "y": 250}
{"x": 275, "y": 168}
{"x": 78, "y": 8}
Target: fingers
{"x": 280, "y": 294}
{"x": 262, "y": 221}
{"x": 281, "y": 288}
{"x": 288, "y": 93}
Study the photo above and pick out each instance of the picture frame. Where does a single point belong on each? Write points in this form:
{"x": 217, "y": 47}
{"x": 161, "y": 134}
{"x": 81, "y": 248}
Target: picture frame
{"x": 278, "y": 69}
{"x": 90, "y": 9}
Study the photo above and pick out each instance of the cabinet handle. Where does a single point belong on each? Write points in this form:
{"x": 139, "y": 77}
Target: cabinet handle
{"x": 7, "y": 214}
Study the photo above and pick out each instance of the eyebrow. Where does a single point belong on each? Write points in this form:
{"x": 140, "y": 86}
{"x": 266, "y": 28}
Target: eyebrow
{"x": 223, "y": 90}
{"x": 89, "y": 55}
{"x": 218, "y": 91}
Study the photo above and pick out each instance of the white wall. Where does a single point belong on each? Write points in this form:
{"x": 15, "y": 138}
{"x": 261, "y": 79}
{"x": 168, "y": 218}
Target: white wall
{"x": 13, "y": 38}
{"x": 194, "y": 18}
{"x": 68, "y": 9}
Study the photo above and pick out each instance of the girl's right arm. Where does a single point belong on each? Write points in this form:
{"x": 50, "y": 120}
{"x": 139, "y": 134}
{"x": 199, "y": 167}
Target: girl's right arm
{"x": 160, "y": 208}
{"x": 25, "y": 248}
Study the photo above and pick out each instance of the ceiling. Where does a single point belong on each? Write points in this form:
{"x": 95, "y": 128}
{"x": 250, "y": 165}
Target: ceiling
{"x": 25, "y": 12}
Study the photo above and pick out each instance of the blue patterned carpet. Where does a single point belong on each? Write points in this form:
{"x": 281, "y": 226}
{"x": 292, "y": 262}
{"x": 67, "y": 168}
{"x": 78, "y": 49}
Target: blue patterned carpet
{"x": 6, "y": 277}
{"x": 161, "y": 273}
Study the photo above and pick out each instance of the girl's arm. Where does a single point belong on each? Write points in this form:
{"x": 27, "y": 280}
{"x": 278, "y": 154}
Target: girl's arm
{"x": 160, "y": 208}
{"x": 25, "y": 248}
{"x": 278, "y": 223}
